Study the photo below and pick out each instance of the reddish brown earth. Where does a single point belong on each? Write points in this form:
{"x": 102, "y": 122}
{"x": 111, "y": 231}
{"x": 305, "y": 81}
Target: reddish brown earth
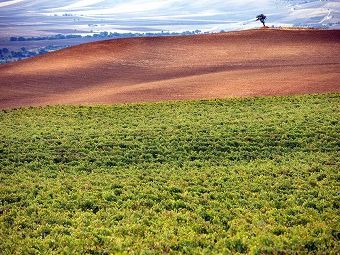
{"x": 248, "y": 63}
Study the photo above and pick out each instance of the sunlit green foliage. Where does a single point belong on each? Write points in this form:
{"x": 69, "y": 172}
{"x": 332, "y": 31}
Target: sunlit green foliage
{"x": 257, "y": 176}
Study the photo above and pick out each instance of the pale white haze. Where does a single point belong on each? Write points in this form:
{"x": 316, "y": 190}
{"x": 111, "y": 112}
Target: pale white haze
{"x": 18, "y": 17}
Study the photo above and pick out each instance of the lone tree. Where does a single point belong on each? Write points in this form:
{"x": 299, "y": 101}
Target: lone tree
{"x": 261, "y": 18}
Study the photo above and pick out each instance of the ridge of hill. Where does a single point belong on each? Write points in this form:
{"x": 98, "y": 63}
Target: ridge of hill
{"x": 235, "y": 64}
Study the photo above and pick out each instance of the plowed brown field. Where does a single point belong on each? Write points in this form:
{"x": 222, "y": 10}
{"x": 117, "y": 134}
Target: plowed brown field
{"x": 247, "y": 63}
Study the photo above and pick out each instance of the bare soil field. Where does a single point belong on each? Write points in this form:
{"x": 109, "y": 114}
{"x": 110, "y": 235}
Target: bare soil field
{"x": 235, "y": 64}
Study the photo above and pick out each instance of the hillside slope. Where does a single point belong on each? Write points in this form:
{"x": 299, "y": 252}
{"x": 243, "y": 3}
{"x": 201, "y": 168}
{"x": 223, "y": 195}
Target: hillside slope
{"x": 248, "y": 63}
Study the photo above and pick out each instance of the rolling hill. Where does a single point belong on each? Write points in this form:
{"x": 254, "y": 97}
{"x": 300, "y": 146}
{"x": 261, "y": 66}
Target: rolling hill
{"x": 222, "y": 176}
{"x": 237, "y": 64}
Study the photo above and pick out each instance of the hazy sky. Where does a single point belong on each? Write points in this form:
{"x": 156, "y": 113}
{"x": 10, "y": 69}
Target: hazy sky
{"x": 176, "y": 15}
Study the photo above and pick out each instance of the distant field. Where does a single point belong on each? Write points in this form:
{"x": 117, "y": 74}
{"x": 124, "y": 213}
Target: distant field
{"x": 258, "y": 176}
{"x": 6, "y": 43}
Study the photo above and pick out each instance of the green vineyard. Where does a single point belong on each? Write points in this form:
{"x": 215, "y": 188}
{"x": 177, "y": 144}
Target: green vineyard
{"x": 253, "y": 175}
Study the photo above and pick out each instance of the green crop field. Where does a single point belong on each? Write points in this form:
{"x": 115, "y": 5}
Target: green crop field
{"x": 254, "y": 175}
